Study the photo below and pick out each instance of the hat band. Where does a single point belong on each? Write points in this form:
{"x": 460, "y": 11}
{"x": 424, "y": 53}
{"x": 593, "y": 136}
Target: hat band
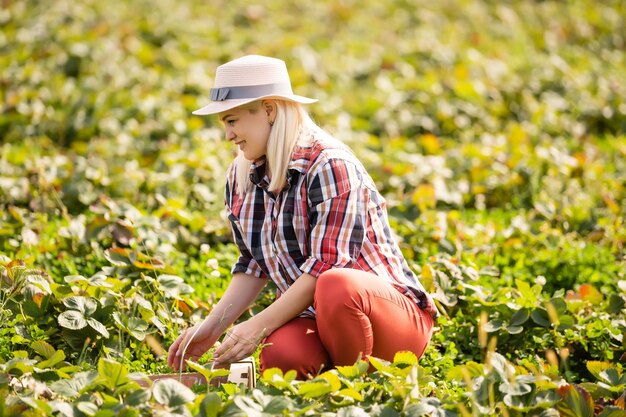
{"x": 250, "y": 91}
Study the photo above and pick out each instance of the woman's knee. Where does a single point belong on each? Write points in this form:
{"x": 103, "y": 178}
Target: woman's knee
{"x": 335, "y": 288}
{"x": 333, "y": 281}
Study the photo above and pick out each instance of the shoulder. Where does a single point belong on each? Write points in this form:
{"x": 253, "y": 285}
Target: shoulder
{"x": 333, "y": 170}
{"x": 328, "y": 153}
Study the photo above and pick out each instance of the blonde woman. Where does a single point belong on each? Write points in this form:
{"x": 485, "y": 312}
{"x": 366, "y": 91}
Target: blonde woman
{"x": 304, "y": 213}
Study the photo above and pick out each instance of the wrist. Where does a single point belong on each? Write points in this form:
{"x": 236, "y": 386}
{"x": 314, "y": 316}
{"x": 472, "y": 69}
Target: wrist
{"x": 216, "y": 323}
{"x": 262, "y": 321}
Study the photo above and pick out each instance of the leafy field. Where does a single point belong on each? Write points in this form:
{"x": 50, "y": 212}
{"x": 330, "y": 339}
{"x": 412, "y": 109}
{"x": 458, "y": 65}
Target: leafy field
{"x": 496, "y": 131}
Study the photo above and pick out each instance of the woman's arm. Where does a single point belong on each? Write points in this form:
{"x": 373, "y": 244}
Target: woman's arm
{"x": 293, "y": 302}
{"x": 243, "y": 339}
{"x": 241, "y": 292}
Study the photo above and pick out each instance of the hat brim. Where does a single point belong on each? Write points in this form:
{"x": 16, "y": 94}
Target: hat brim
{"x": 221, "y": 106}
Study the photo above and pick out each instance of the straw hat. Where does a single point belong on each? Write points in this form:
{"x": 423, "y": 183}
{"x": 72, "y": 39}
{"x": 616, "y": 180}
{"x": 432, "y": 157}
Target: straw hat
{"x": 250, "y": 78}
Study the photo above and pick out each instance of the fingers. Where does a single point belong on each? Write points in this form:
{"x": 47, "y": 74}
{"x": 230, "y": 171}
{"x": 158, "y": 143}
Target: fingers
{"x": 232, "y": 349}
{"x": 226, "y": 345}
{"x": 175, "y": 352}
{"x": 172, "y": 352}
{"x": 187, "y": 346}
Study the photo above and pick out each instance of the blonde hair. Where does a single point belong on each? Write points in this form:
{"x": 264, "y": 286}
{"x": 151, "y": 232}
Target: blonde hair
{"x": 290, "y": 119}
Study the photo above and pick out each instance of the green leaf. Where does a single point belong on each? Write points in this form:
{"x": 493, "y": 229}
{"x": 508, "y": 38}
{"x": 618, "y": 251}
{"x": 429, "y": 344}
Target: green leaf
{"x": 352, "y": 411}
{"x": 597, "y": 367}
{"x": 575, "y": 402}
{"x": 615, "y": 304}
{"x": 159, "y": 325}
{"x": 610, "y": 411}
{"x": 514, "y": 329}
{"x": 112, "y": 374}
{"x": 211, "y": 405}
{"x": 100, "y": 280}
{"x": 278, "y": 405}
{"x": 461, "y": 372}
{"x": 331, "y": 378}
{"x": 540, "y": 317}
{"x": 596, "y": 391}
{"x": 31, "y": 309}
{"x": 379, "y": 364}
{"x": 99, "y": 327}
{"x": 70, "y": 279}
{"x": 87, "y": 408}
{"x": 35, "y": 404}
{"x": 566, "y": 322}
{"x": 229, "y": 388}
{"x": 354, "y": 371}
{"x": 529, "y": 295}
{"x": 173, "y": 286}
{"x": 405, "y": 358}
{"x": 515, "y": 388}
{"x": 72, "y": 319}
{"x": 612, "y": 377}
{"x": 550, "y": 412}
{"x": 493, "y": 325}
{"x": 499, "y": 363}
{"x": 431, "y": 407}
{"x": 43, "y": 348}
{"x": 350, "y": 393}
{"x": 207, "y": 373}
{"x": 40, "y": 282}
{"x": 526, "y": 403}
{"x": 519, "y": 317}
{"x": 85, "y": 305}
{"x": 545, "y": 398}
{"x": 248, "y": 406}
{"x": 74, "y": 386}
{"x": 18, "y": 366}
{"x": 118, "y": 256}
{"x": 274, "y": 377}
{"x": 20, "y": 354}
{"x": 137, "y": 328}
{"x": 314, "y": 389}
{"x": 171, "y": 393}
{"x": 137, "y": 397}
{"x": 57, "y": 357}
{"x": 559, "y": 305}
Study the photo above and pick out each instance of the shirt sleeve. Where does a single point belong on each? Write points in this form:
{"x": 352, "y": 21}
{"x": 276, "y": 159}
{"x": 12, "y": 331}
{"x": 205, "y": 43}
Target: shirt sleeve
{"x": 337, "y": 214}
{"x": 245, "y": 263}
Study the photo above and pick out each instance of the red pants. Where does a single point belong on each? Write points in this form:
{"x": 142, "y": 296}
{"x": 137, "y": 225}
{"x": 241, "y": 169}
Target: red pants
{"x": 357, "y": 314}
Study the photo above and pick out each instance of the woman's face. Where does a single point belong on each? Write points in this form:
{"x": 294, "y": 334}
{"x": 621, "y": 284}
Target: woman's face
{"x": 249, "y": 129}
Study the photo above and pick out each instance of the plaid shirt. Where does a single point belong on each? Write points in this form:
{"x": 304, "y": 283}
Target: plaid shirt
{"x": 330, "y": 215}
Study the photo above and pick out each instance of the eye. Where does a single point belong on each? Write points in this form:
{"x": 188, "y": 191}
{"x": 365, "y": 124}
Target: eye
{"x": 231, "y": 122}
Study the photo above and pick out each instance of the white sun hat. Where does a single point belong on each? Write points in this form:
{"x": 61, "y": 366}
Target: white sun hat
{"x": 250, "y": 78}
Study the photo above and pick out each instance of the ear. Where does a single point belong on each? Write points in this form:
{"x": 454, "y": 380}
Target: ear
{"x": 270, "y": 108}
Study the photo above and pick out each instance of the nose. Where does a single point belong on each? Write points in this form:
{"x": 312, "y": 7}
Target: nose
{"x": 230, "y": 135}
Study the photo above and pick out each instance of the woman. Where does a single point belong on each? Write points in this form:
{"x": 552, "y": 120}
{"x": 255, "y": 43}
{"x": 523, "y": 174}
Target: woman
{"x": 305, "y": 214}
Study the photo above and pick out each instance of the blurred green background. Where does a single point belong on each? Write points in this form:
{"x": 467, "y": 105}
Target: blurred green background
{"x": 488, "y": 109}
{"x": 465, "y": 112}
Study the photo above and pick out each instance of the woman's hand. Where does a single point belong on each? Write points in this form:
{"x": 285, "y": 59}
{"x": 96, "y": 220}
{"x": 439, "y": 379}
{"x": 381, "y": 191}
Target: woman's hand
{"x": 240, "y": 342}
{"x": 193, "y": 342}
{"x": 243, "y": 339}
{"x": 241, "y": 291}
